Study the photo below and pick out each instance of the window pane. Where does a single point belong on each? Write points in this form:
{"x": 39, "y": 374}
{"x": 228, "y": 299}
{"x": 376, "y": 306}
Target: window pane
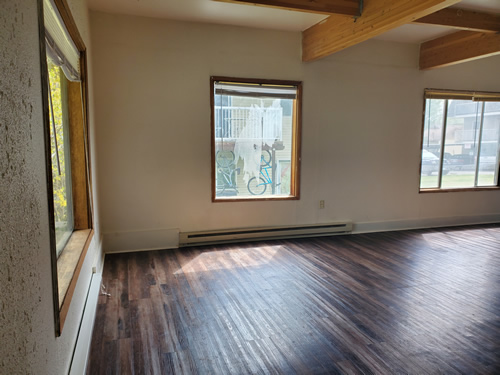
{"x": 253, "y": 143}
{"x": 284, "y": 175}
{"x": 61, "y": 173}
{"x": 431, "y": 146}
{"x": 461, "y": 143}
{"x": 490, "y": 138}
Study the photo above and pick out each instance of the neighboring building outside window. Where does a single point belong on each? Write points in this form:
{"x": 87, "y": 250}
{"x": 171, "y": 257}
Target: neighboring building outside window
{"x": 460, "y": 141}
{"x": 255, "y": 139}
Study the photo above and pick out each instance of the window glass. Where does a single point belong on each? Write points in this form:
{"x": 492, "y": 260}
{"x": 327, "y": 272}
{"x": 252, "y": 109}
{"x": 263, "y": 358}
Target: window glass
{"x": 460, "y": 146}
{"x": 490, "y": 139}
{"x": 255, "y": 141}
{"x": 431, "y": 150}
{"x": 461, "y": 143}
{"x": 61, "y": 165}
{"x": 284, "y": 175}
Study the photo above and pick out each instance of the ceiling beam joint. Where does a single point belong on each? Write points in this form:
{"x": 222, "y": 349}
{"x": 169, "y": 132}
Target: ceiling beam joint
{"x": 341, "y": 8}
{"x": 337, "y": 33}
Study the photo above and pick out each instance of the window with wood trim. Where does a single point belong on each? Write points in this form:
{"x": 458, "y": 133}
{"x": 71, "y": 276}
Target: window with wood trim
{"x": 64, "y": 100}
{"x": 255, "y": 139}
{"x": 460, "y": 141}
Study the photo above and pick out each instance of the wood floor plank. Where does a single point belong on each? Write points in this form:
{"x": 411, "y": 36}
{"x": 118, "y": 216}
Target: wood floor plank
{"x": 95, "y": 362}
{"x": 146, "y": 345}
{"x": 409, "y": 302}
{"x": 125, "y": 357}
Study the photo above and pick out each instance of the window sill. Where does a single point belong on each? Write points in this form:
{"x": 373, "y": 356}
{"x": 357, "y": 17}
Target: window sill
{"x": 69, "y": 265}
{"x": 424, "y": 191}
{"x": 256, "y": 198}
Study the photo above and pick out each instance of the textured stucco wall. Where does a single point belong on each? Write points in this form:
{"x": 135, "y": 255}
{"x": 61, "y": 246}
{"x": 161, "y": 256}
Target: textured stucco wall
{"x": 28, "y": 343}
{"x": 25, "y": 257}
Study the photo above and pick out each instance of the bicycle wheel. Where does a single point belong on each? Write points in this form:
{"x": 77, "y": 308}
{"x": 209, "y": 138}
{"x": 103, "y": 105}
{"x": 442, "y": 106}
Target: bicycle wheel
{"x": 219, "y": 189}
{"x": 226, "y": 181}
{"x": 265, "y": 160}
{"x": 257, "y": 186}
{"x": 224, "y": 158}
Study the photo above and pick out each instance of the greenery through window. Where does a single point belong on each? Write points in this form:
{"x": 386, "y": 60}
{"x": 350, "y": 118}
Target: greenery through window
{"x": 255, "y": 144}
{"x": 60, "y": 155}
{"x": 461, "y": 138}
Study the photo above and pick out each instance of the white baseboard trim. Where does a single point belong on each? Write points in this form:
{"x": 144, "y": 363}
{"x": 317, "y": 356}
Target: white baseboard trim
{"x": 82, "y": 348}
{"x": 161, "y": 239}
{"x": 123, "y": 242}
{"x": 438, "y": 222}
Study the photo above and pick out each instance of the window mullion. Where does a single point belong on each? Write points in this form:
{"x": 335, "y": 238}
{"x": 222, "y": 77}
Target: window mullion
{"x": 480, "y": 138}
{"x": 443, "y": 135}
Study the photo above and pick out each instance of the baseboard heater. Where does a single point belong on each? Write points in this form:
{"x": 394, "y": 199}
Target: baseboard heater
{"x": 264, "y": 233}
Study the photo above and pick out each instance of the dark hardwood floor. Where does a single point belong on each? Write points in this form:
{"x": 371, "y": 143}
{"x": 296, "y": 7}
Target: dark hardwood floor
{"x": 412, "y": 302}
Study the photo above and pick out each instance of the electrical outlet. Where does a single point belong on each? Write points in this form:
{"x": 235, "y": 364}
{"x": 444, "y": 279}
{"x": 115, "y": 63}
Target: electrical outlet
{"x": 322, "y": 204}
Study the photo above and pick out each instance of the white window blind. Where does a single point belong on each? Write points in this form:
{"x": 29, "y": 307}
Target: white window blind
{"x": 256, "y": 90}
{"x": 60, "y": 47}
{"x": 476, "y": 96}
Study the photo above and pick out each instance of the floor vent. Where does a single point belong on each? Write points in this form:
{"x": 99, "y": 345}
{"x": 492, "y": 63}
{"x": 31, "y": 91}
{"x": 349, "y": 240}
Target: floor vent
{"x": 266, "y": 233}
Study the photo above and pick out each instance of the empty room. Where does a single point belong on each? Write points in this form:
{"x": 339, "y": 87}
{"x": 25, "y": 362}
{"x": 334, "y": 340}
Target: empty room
{"x": 250, "y": 187}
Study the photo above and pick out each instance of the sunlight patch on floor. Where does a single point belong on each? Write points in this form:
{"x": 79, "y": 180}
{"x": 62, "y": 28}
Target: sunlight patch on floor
{"x": 230, "y": 259}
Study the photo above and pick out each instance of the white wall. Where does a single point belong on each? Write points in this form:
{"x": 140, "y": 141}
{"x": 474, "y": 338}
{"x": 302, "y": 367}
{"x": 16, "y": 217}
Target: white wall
{"x": 27, "y": 334}
{"x": 362, "y": 116}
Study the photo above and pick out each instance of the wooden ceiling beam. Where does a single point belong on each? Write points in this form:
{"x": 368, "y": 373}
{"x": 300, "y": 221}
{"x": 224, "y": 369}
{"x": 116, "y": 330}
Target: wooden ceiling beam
{"x": 336, "y": 33}
{"x": 463, "y": 19}
{"x": 338, "y": 7}
{"x": 458, "y": 47}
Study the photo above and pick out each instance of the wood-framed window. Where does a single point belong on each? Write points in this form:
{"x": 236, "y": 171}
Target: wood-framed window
{"x": 256, "y": 129}
{"x": 64, "y": 99}
{"x": 460, "y": 141}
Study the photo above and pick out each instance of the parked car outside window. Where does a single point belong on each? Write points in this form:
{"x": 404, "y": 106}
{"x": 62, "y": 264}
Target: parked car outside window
{"x": 430, "y": 164}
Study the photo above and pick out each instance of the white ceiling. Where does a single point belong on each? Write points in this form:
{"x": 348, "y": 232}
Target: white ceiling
{"x": 261, "y": 17}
